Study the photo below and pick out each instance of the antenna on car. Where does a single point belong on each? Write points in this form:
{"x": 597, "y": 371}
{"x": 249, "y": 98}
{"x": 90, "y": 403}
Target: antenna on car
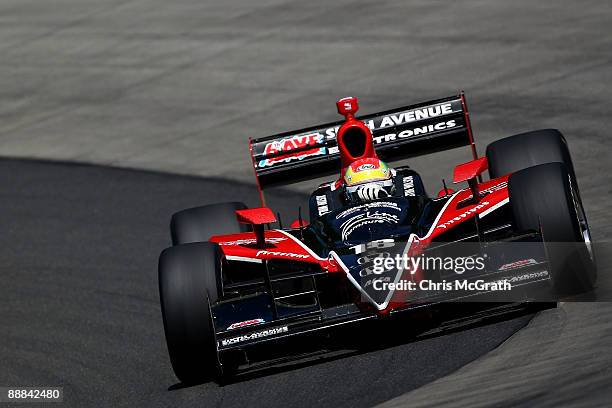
{"x": 301, "y": 222}
{"x": 445, "y": 188}
{"x": 280, "y": 221}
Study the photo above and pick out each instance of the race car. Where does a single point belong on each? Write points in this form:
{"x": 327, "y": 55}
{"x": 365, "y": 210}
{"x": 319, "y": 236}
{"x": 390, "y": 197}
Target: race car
{"x": 237, "y": 289}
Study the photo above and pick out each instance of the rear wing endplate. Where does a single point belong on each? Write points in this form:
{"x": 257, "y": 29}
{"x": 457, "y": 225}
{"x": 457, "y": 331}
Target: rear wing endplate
{"x": 400, "y": 133}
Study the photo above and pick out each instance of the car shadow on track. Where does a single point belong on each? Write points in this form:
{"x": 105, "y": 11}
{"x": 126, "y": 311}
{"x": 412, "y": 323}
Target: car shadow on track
{"x": 354, "y": 342}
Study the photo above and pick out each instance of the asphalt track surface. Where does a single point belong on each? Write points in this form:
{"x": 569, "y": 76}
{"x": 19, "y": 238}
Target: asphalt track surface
{"x": 179, "y": 86}
{"x": 80, "y": 306}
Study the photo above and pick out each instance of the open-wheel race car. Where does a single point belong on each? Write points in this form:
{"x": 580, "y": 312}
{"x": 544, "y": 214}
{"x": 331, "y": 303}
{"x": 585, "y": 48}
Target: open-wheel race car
{"x": 236, "y": 287}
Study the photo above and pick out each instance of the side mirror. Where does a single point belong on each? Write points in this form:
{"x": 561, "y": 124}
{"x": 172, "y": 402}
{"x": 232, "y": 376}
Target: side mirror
{"x": 469, "y": 172}
{"x": 257, "y": 217}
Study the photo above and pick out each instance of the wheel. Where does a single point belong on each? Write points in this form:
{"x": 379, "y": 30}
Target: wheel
{"x": 200, "y": 223}
{"x": 544, "y": 197}
{"x": 189, "y": 281}
{"x": 528, "y": 149}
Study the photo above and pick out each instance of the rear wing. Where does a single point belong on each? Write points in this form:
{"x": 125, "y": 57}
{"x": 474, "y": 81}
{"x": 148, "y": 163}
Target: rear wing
{"x": 400, "y": 133}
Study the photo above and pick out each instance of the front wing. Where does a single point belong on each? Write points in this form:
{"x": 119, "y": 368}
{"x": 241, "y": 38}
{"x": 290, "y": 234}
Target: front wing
{"x": 238, "y": 343}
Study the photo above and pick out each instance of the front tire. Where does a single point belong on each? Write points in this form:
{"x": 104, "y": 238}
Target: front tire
{"x": 518, "y": 152}
{"x": 189, "y": 281}
{"x": 544, "y": 197}
{"x": 198, "y": 224}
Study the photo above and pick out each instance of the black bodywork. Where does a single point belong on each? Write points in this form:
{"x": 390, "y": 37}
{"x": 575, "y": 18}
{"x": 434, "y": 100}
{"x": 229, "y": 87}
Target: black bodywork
{"x": 295, "y": 300}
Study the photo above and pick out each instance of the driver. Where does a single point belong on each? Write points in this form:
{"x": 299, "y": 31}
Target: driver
{"x": 363, "y": 176}
{"x": 368, "y": 179}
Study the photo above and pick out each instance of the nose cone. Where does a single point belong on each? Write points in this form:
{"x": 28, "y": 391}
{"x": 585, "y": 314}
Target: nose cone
{"x": 354, "y": 137}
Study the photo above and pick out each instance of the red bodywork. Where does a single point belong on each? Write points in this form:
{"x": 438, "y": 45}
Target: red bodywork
{"x": 256, "y": 216}
{"x": 461, "y": 207}
{"x": 470, "y": 170}
{"x": 282, "y": 245}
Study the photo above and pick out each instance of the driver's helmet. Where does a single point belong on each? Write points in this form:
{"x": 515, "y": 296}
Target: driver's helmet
{"x": 370, "y": 176}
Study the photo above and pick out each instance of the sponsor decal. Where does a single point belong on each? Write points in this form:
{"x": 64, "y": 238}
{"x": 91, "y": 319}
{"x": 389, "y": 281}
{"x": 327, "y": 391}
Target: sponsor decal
{"x": 246, "y": 323}
{"x": 390, "y": 137}
{"x": 463, "y": 215}
{"x": 367, "y": 218}
{"x": 518, "y": 264}
{"x": 303, "y": 146}
{"x": 496, "y": 187}
{"x": 299, "y": 147}
{"x": 283, "y": 254}
{"x": 415, "y": 115}
{"x": 527, "y": 277}
{"x": 322, "y": 207}
{"x": 376, "y": 205}
{"x": 251, "y": 241}
{"x": 408, "y": 186}
{"x": 255, "y": 335}
{"x": 402, "y": 118}
{"x": 293, "y": 148}
{"x": 367, "y": 166}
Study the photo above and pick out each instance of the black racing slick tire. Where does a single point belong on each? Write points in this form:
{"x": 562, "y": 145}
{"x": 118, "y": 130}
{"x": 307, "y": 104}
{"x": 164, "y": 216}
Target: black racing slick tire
{"x": 189, "y": 282}
{"x": 543, "y": 198}
{"x": 200, "y": 223}
{"x": 524, "y": 150}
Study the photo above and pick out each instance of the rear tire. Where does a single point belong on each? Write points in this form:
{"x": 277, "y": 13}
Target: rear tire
{"x": 529, "y": 149}
{"x": 198, "y": 224}
{"x": 544, "y": 196}
{"x": 189, "y": 281}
